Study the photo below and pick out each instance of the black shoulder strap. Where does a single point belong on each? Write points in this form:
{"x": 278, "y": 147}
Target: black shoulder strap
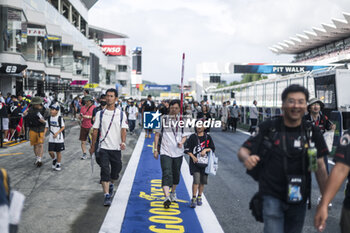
{"x": 60, "y": 121}
{"x": 121, "y": 118}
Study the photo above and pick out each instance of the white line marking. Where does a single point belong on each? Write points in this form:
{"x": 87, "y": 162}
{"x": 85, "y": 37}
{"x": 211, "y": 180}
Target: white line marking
{"x": 115, "y": 216}
{"x": 244, "y": 132}
{"x": 205, "y": 214}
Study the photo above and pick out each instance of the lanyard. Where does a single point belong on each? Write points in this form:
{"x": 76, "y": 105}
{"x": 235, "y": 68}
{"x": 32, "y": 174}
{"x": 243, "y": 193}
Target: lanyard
{"x": 177, "y": 127}
{"x": 284, "y": 146}
{"x": 109, "y": 127}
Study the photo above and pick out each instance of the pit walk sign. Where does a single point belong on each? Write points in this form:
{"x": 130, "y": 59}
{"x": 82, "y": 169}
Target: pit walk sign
{"x": 91, "y": 85}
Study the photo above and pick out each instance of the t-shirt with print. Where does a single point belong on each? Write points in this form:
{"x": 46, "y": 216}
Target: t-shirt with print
{"x": 87, "y": 111}
{"x": 171, "y": 137}
{"x": 113, "y": 139}
{"x": 273, "y": 180}
{"x": 342, "y": 155}
{"x": 54, "y": 128}
{"x": 195, "y": 144}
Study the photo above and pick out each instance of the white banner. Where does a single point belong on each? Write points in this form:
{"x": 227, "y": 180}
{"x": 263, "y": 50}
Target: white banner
{"x": 36, "y": 32}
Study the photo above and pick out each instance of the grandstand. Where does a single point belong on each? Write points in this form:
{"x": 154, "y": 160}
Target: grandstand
{"x": 327, "y": 44}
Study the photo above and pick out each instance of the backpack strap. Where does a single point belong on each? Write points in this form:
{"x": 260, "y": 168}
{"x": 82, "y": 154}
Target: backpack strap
{"x": 121, "y": 118}
{"x": 5, "y": 181}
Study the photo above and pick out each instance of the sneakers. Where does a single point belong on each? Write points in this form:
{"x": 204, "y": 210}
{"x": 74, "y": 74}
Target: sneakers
{"x": 6, "y": 140}
{"x": 199, "y": 201}
{"x": 167, "y": 202}
{"x": 107, "y": 201}
{"x": 58, "y": 167}
{"x": 54, "y": 163}
{"x": 38, "y": 162}
{"x": 111, "y": 188}
{"x": 193, "y": 203}
{"x": 83, "y": 157}
{"x": 173, "y": 197}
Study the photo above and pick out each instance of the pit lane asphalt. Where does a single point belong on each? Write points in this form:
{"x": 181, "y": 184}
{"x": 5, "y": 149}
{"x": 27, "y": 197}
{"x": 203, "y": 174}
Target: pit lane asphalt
{"x": 70, "y": 200}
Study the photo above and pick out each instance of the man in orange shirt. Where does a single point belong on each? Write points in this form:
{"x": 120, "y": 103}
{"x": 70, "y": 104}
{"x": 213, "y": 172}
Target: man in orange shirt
{"x": 85, "y": 117}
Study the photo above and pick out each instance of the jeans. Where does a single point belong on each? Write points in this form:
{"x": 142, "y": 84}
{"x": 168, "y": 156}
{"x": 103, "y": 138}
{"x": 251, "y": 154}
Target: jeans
{"x": 131, "y": 125}
{"x": 280, "y": 217}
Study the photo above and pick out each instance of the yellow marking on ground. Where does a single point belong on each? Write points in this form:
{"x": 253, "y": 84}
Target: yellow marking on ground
{"x": 11, "y": 154}
{"x": 18, "y": 143}
{"x": 152, "y": 198}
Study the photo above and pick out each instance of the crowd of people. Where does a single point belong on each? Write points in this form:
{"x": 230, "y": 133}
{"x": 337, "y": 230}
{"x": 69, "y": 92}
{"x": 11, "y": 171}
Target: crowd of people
{"x": 280, "y": 154}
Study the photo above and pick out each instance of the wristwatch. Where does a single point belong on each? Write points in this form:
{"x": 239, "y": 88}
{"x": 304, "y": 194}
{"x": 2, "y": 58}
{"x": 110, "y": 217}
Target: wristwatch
{"x": 124, "y": 143}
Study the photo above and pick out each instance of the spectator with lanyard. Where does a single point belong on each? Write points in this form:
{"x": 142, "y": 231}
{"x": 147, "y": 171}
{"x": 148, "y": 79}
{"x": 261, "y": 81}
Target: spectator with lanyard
{"x": 108, "y": 139}
{"x": 282, "y": 148}
{"x": 198, "y": 145}
{"x": 317, "y": 118}
{"x": 85, "y": 117}
{"x": 171, "y": 152}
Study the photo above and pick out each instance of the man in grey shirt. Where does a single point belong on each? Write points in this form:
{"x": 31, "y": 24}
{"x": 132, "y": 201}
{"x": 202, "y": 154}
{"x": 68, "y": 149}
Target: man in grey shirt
{"x": 235, "y": 114}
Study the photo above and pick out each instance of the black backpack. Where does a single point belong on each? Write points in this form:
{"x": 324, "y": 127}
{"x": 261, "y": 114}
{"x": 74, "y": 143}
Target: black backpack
{"x": 59, "y": 124}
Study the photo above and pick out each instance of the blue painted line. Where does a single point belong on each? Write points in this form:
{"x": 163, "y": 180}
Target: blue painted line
{"x": 145, "y": 212}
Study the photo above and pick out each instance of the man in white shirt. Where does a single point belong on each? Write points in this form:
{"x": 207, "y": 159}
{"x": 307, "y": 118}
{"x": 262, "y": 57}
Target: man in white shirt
{"x": 171, "y": 151}
{"x": 108, "y": 139}
{"x": 132, "y": 112}
{"x": 253, "y": 115}
{"x": 224, "y": 116}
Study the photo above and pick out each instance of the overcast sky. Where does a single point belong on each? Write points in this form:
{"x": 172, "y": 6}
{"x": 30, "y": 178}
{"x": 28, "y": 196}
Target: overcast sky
{"x": 238, "y": 31}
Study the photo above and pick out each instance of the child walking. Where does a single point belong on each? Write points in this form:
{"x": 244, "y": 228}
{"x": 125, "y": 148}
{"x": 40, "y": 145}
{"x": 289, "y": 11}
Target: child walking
{"x": 197, "y": 147}
{"x": 55, "y": 126}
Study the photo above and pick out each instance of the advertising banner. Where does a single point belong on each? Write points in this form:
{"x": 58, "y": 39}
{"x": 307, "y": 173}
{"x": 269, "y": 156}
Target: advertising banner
{"x": 151, "y": 87}
{"x": 79, "y": 82}
{"x": 274, "y": 69}
{"x": 36, "y": 32}
{"x": 114, "y": 50}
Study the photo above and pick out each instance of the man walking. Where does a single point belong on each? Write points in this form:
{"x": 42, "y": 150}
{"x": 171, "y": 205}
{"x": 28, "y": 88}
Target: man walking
{"x": 235, "y": 114}
{"x": 224, "y": 116}
{"x": 132, "y": 112}
{"x": 148, "y": 106}
{"x": 35, "y": 118}
{"x": 85, "y": 117}
{"x": 253, "y": 116}
{"x": 108, "y": 139}
{"x": 282, "y": 149}
{"x": 171, "y": 152}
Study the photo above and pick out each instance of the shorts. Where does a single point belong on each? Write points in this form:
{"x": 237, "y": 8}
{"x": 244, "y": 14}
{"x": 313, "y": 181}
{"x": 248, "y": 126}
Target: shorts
{"x": 111, "y": 164}
{"x": 200, "y": 178}
{"x": 84, "y": 133}
{"x": 5, "y": 123}
{"x": 36, "y": 138}
{"x": 56, "y": 147}
{"x": 345, "y": 220}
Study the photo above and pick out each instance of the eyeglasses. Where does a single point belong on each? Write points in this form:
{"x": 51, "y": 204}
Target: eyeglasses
{"x": 294, "y": 101}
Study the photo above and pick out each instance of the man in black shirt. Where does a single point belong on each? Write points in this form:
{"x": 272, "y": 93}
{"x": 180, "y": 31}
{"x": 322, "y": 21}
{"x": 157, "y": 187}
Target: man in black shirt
{"x": 281, "y": 147}
{"x": 339, "y": 173}
{"x": 148, "y": 106}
